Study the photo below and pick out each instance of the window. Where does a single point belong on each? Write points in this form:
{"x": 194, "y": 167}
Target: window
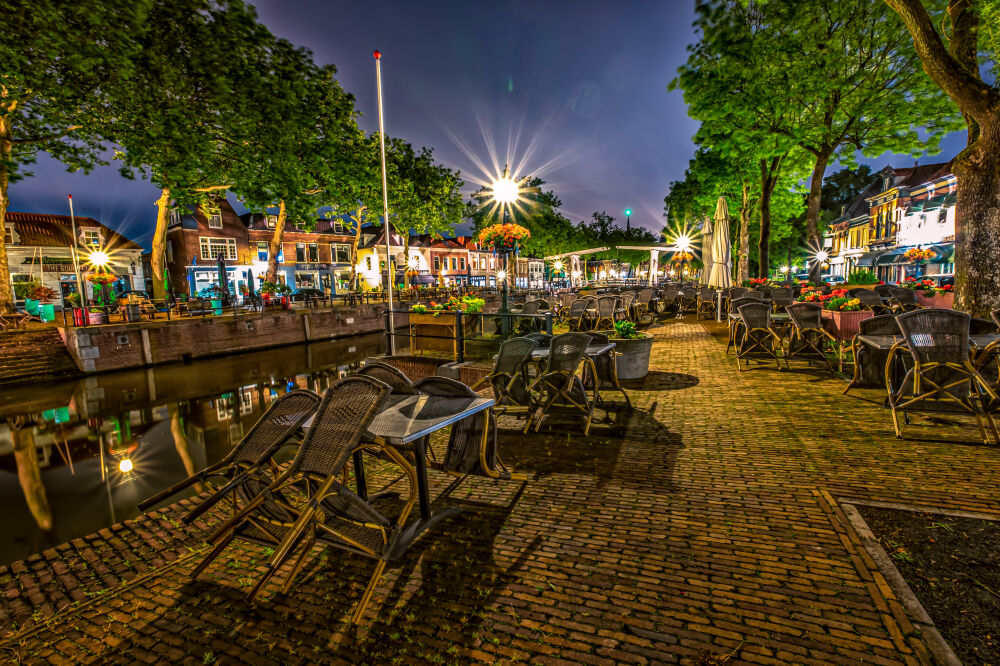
{"x": 475, "y": 262}
{"x": 214, "y": 217}
{"x": 8, "y": 234}
{"x": 437, "y": 263}
{"x": 91, "y": 237}
{"x": 272, "y": 221}
{"x": 300, "y": 252}
{"x": 262, "y": 250}
{"x": 338, "y": 227}
{"x": 368, "y": 262}
{"x": 170, "y": 251}
{"x": 461, "y": 263}
{"x": 343, "y": 254}
{"x": 213, "y": 247}
{"x": 313, "y": 252}
{"x": 174, "y": 218}
{"x": 454, "y": 263}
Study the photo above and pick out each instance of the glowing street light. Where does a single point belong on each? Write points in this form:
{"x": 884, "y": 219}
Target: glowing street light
{"x": 505, "y": 189}
{"x": 502, "y": 276}
{"x": 98, "y": 258}
{"x": 683, "y": 242}
{"x": 125, "y": 466}
{"x": 628, "y": 218}
{"x": 558, "y": 265}
{"x": 822, "y": 255}
{"x": 783, "y": 269}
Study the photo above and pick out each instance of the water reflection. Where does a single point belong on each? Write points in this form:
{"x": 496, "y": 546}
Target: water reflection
{"x": 78, "y": 456}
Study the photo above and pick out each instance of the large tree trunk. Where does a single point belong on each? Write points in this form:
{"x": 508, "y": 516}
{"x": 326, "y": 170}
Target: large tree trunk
{"x": 6, "y": 289}
{"x": 355, "y": 278}
{"x": 275, "y": 247}
{"x": 813, "y": 238}
{"x": 769, "y": 170}
{"x": 743, "y": 263}
{"x": 158, "y": 253}
{"x": 977, "y": 224}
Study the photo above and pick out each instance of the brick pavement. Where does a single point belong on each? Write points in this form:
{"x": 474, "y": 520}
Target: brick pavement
{"x": 703, "y": 526}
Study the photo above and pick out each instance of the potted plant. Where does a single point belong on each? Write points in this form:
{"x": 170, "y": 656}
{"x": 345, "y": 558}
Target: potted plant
{"x": 936, "y": 297}
{"x": 633, "y": 348}
{"x": 96, "y": 315}
{"x": 846, "y": 314}
{"x": 45, "y": 296}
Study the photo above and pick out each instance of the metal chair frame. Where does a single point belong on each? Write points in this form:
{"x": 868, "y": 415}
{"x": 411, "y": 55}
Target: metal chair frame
{"x": 755, "y": 338}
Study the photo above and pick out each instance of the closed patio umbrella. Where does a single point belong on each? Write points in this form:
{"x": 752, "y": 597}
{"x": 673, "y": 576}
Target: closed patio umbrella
{"x": 223, "y": 278}
{"x": 706, "y": 251}
{"x": 722, "y": 259}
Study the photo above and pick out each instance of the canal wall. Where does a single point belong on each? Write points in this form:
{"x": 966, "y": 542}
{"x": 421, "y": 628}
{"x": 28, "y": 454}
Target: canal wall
{"x": 131, "y": 345}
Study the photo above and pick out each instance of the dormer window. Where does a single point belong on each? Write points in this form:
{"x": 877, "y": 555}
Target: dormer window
{"x": 9, "y": 238}
{"x": 272, "y": 221}
{"x": 174, "y": 218}
{"x": 91, "y": 237}
{"x": 885, "y": 184}
{"x": 214, "y": 219}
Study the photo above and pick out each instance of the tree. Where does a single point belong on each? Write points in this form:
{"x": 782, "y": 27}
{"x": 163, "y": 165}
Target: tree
{"x": 951, "y": 58}
{"x": 61, "y": 63}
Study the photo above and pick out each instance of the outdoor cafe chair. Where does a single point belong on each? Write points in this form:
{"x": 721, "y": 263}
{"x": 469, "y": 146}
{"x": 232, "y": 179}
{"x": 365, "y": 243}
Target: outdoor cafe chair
{"x": 689, "y": 299}
{"x": 781, "y": 298}
{"x": 668, "y": 300}
{"x": 332, "y": 514}
{"x": 873, "y": 302}
{"x": 706, "y": 302}
{"x": 577, "y": 317}
{"x": 642, "y": 303}
{"x": 509, "y": 379}
{"x": 757, "y": 339}
{"x": 472, "y": 443}
{"x": 743, "y": 292}
{"x": 942, "y": 378}
{"x": 903, "y": 299}
{"x": 808, "y": 334}
{"x": 884, "y": 290}
{"x": 606, "y": 311}
{"x": 560, "y": 387}
{"x": 869, "y": 361}
{"x": 243, "y": 465}
{"x": 399, "y": 383}
{"x": 603, "y": 369}
{"x": 528, "y": 324}
{"x": 736, "y": 323}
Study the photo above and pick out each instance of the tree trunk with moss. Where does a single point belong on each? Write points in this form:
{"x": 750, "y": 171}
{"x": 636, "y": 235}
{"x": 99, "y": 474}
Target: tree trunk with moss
{"x": 769, "y": 171}
{"x": 6, "y": 290}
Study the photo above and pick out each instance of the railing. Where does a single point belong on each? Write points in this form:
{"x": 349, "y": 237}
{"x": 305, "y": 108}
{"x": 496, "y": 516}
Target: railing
{"x": 462, "y": 334}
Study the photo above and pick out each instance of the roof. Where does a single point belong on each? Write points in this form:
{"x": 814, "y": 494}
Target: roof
{"x": 43, "y": 229}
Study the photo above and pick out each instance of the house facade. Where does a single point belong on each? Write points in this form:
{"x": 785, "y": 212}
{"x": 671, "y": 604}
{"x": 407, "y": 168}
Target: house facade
{"x": 40, "y": 249}
{"x": 318, "y": 259}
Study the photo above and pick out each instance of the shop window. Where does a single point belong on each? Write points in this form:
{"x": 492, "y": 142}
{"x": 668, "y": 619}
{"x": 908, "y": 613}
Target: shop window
{"x": 313, "y": 252}
{"x": 262, "y": 251}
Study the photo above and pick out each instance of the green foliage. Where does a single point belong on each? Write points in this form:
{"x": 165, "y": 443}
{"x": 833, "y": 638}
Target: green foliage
{"x": 473, "y": 304}
{"x": 625, "y": 330}
{"x": 419, "y": 308}
{"x": 274, "y": 288}
{"x": 862, "y": 276}
{"x": 23, "y": 290}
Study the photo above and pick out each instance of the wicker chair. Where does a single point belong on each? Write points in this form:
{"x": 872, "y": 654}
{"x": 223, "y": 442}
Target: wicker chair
{"x": 509, "y": 379}
{"x": 605, "y": 369}
{"x": 397, "y": 381}
{"x": 872, "y": 301}
{"x": 903, "y": 299}
{"x": 577, "y": 316}
{"x": 642, "y": 303}
{"x": 995, "y": 316}
{"x": 333, "y": 515}
{"x": 688, "y": 299}
{"x": 279, "y": 425}
{"x": 942, "y": 378}
{"x": 706, "y": 303}
{"x": 736, "y": 325}
{"x": 668, "y": 299}
{"x": 808, "y": 334}
{"x": 781, "y": 298}
{"x": 869, "y": 362}
{"x": 606, "y": 311}
{"x": 472, "y": 443}
{"x": 757, "y": 339}
{"x": 884, "y": 290}
{"x": 559, "y": 385}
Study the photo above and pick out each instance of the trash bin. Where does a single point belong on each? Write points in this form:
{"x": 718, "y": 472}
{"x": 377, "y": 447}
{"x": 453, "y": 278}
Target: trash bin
{"x": 133, "y": 312}
{"x": 217, "y": 305}
{"x": 79, "y": 317}
{"x": 47, "y": 312}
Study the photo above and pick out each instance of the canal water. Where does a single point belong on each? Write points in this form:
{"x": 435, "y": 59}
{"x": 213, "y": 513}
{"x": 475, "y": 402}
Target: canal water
{"x": 78, "y": 456}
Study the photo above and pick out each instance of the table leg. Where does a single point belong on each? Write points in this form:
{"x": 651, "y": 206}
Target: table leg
{"x": 359, "y": 476}
{"x": 420, "y": 453}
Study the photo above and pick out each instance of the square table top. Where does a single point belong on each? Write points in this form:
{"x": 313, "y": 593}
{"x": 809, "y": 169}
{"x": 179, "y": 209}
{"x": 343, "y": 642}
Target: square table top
{"x": 405, "y": 418}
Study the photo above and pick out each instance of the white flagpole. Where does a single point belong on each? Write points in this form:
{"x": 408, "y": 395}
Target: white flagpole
{"x": 385, "y": 200}
{"x": 72, "y": 251}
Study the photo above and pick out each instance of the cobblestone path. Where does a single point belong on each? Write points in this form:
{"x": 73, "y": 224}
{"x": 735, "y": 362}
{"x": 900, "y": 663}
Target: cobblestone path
{"x": 702, "y": 526}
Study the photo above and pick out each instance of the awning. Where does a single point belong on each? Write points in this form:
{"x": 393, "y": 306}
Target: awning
{"x": 892, "y": 257}
{"x": 423, "y": 279}
{"x": 943, "y": 253}
{"x": 867, "y": 259}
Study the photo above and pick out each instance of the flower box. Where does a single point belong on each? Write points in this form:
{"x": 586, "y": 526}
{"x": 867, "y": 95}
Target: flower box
{"x": 946, "y": 300}
{"x": 95, "y": 318}
{"x": 844, "y": 324}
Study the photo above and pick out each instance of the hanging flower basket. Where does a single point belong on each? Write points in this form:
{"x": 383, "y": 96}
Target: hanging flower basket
{"x": 102, "y": 278}
{"x": 504, "y": 237}
{"x": 917, "y": 255}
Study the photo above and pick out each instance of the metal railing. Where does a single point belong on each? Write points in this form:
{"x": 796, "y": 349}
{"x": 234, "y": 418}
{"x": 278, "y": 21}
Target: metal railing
{"x": 463, "y": 334}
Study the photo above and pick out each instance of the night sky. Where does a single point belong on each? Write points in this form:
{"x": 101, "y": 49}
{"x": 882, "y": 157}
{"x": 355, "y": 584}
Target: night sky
{"x": 574, "y": 92}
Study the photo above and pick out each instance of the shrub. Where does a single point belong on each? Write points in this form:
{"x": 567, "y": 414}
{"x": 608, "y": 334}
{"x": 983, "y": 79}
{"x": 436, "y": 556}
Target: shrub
{"x": 625, "y": 330}
{"x": 862, "y": 276}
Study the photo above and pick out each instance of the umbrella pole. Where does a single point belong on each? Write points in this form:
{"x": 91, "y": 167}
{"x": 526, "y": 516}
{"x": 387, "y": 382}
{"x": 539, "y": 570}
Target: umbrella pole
{"x": 718, "y": 298}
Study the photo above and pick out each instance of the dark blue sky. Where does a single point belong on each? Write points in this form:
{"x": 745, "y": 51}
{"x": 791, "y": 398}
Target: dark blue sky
{"x": 574, "y": 92}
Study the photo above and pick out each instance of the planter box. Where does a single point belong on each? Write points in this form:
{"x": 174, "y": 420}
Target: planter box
{"x": 432, "y": 334}
{"x": 95, "y": 318}
{"x": 946, "y": 301}
{"x": 844, "y": 325}
{"x": 633, "y": 356}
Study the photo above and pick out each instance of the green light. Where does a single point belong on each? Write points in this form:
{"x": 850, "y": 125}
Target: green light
{"x": 628, "y": 211}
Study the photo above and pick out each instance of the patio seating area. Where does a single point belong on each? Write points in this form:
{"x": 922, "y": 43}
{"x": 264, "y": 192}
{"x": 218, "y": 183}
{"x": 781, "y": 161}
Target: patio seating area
{"x": 703, "y": 523}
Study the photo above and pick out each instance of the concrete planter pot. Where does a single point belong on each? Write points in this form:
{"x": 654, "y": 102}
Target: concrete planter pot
{"x": 633, "y": 359}
{"x": 946, "y": 301}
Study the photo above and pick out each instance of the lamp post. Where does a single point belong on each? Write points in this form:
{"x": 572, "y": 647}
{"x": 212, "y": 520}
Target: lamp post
{"x": 505, "y": 192}
{"x": 628, "y": 218}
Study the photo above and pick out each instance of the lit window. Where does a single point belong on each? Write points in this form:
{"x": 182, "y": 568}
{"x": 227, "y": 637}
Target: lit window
{"x": 454, "y": 263}
{"x": 261, "y": 251}
{"x": 174, "y": 219}
{"x": 313, "y": 252}
{"x": 272, "y": 221}
{"x": 213, "y": 247}
{"x": 91, "y": 237}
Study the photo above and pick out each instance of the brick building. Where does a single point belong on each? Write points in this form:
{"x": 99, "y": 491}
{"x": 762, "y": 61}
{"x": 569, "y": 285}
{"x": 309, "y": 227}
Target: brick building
{"x": 318, "y": 259}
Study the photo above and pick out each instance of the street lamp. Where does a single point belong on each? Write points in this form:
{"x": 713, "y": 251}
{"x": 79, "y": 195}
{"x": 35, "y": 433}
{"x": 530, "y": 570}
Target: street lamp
{"x": 628, "y": 218}
{"x": 505, "y": 193}
{"x": 100, "y": 259}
